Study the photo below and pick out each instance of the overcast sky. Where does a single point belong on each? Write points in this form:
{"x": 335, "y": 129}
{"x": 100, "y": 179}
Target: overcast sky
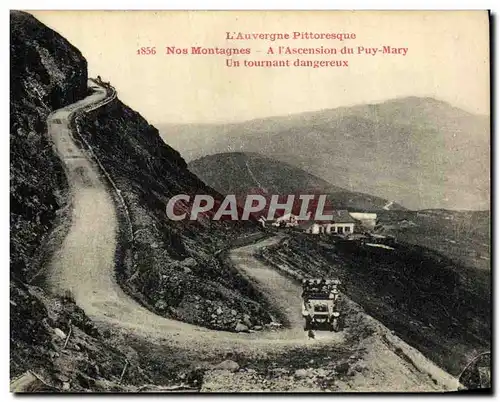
{"x": 447, "y": 59}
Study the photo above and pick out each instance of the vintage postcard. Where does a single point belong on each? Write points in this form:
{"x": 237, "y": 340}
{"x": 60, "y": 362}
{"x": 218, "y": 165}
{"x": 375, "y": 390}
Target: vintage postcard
{"x": 250, "y": 201}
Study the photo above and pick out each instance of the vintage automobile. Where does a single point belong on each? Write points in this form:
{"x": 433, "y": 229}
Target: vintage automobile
{"x": 321, "y": 304}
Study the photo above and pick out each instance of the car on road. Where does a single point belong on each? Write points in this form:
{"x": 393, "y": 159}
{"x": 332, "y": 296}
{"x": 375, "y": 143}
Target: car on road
{"x": 321, "y": 304}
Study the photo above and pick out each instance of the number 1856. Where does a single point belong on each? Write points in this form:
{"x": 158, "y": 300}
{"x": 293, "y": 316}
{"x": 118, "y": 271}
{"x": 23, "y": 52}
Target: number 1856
{"x": 146, "y": 50}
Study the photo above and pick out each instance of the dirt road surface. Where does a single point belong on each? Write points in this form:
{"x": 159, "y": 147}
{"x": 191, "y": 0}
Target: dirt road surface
{"x": 85, "y": 262}
{"x": 85, "y": 266}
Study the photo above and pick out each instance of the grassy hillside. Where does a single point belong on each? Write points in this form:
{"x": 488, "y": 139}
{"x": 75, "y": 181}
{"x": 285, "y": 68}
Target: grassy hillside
{"x": 437, "y": 305}
{"x": 419, "y": 152}
{"x": 463, "y": 236}
{"x": 243, "y": 173}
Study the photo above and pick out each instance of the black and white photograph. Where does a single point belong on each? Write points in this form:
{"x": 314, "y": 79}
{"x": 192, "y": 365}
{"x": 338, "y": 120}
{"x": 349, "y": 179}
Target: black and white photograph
{"x": 250, "y": 201}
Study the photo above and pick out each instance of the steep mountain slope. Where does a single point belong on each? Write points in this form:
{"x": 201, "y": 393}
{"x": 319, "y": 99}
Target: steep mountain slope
{"x": 37, "y": 182}
{"x": 246, "y": 173}
{"x": 47, "y": 73}
{"x": 172, "y": 268}
{"x": 420, "y": 152}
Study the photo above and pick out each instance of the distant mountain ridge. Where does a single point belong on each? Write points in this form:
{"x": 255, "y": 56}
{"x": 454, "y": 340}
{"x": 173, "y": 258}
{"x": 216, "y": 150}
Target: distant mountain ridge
{"x": 243, "y": 173}
{"x": 419, "y": 152}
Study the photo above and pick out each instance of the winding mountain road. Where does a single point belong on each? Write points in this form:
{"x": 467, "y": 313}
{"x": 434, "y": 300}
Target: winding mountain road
{"x": 85, "y": 264}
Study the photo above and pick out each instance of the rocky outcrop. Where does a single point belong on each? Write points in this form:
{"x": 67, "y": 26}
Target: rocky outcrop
{"x": 46, "y": 73}
{"x": 53, "y": 338}
{"x": 53, "y": 344}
